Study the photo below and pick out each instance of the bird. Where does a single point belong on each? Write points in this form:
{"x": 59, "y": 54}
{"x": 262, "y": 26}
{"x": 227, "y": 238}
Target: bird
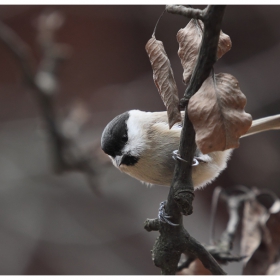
{"x": 141, "y": 145}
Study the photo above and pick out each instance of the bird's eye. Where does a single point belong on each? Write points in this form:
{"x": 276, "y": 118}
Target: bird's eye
{"x": 124, "y": 138}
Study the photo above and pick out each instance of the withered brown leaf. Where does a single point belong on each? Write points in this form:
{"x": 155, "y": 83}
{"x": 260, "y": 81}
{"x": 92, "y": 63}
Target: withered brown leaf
{"x": 256, "y": 243}
{"x": 164, "y": 79}
{"x": 273, "y": 225}
{"x": 217, "y": 114}
{"x": 224, "y": 44}
{"x": 189, "y": 39}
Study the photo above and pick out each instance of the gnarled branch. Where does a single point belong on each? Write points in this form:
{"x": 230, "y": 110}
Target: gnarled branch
{"x": 175, "y": 240}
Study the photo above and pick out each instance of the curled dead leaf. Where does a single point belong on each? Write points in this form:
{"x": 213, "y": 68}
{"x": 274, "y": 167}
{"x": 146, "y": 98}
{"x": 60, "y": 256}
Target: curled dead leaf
{"x": 217, "y": 114}
{"x": 164, "y": 79}
{"x": 273, "y": 225}
{"x": 224, "y": 44}
{"x": 257, "y": 243}
{"x": 255, "y": 237}
{"x": 189, "y": 39}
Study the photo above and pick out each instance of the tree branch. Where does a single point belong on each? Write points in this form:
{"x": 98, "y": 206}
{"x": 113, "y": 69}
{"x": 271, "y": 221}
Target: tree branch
{"x": 20, "y": 50}
{"x": 67, "y": 155}
{"x": 175, "y": 240}
{"x": 186, "y": 12}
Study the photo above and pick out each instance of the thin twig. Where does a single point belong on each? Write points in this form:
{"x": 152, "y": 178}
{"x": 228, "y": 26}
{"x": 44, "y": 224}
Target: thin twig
{"x": 20, "y": 50}
{"x": 186, "y": 12}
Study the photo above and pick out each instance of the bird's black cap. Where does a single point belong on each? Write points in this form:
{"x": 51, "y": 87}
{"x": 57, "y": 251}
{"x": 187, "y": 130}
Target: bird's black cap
{"x": 114, "y": 136}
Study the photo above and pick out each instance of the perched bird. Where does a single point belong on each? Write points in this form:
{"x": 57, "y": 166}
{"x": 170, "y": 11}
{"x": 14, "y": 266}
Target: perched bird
{"x": 141, "y": 145}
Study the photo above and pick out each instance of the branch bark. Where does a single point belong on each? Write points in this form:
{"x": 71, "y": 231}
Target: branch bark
{"x": 186, "y": 12}
{"x": 175, "y": 240}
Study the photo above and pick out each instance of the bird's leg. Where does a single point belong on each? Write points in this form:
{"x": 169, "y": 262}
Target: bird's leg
{"x": 196, "y": 159}
{"x": 162, "y": 215}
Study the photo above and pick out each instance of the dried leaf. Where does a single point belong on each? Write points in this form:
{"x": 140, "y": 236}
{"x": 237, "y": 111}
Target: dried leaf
{"x": 224, "y": 45}
{"x": 256, "y": 243}
{"x": 261, "y": 235}
{"x": 164, "y": 79}
{"x": 273, "y": 225}
{"x": 217, "y": 114}
{"x": 189, "y": 39}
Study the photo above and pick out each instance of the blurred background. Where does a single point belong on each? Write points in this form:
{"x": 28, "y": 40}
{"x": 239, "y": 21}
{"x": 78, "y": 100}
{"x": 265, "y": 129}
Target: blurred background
{"x": 55, "y": 224}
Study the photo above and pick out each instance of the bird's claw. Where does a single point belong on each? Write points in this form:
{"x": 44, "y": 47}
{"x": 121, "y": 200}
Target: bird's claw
{"x": 162, "y": 216}
{"x": 176, "y": 156}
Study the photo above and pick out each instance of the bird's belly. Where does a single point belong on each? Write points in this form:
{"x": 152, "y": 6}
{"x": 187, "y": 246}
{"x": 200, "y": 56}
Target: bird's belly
{"x": 205, "y": 173}
{"x": 154, "y": 174}
{"x": 157, "y": 172}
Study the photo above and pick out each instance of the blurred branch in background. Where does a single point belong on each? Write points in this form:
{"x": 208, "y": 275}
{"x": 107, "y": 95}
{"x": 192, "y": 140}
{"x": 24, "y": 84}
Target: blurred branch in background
{"x": 67, "y": 154}
{"x": 234, "y": 198}
{"x": 260, "y": 242}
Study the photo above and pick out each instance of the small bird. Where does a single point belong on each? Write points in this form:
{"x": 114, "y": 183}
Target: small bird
{"x": 141, "y": 145}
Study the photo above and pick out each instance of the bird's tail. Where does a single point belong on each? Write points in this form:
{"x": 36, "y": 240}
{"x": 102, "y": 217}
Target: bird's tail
{"x": 263, "y": 124}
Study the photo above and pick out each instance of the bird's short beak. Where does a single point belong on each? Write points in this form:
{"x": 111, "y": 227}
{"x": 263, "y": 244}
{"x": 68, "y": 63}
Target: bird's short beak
{"x": 118, "y": 160}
